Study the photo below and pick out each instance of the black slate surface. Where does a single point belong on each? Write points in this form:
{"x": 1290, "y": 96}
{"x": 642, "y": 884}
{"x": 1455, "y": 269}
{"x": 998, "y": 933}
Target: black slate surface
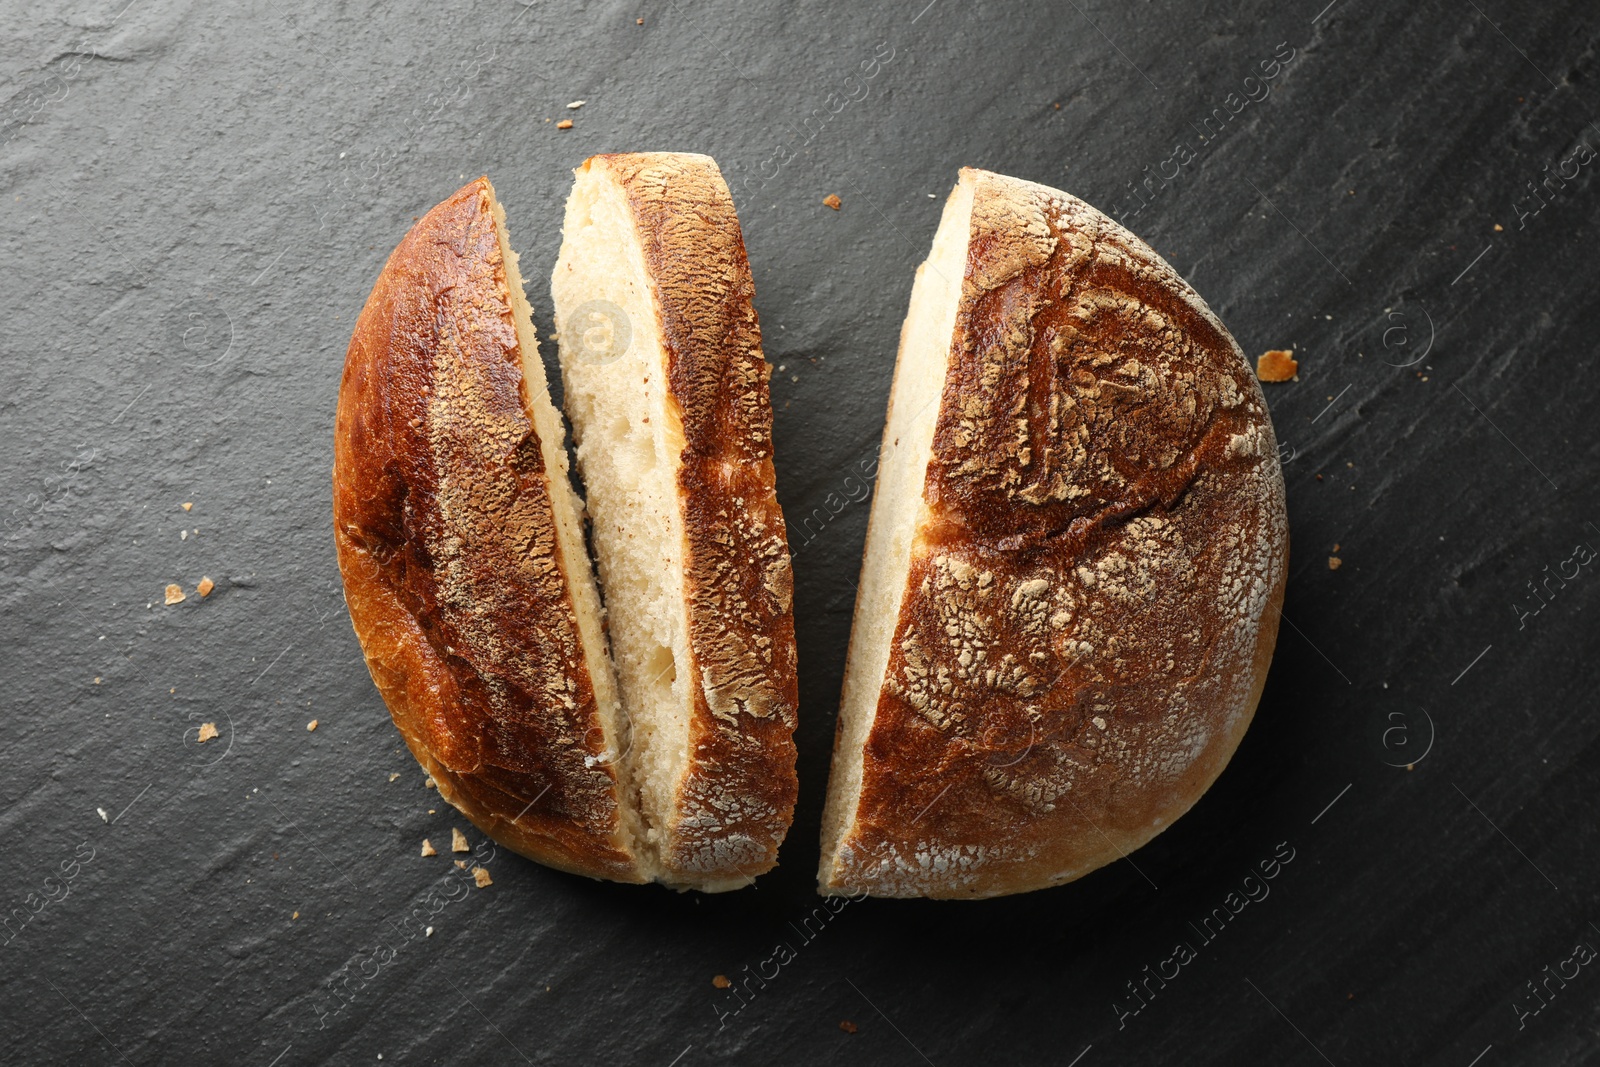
{"x": 198, "y": 197}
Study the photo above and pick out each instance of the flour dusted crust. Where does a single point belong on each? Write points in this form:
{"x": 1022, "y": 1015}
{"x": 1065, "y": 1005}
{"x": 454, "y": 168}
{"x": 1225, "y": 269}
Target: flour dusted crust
{"x": 448, "y": 548}
{"x": 736, "y": 799}
{"x": 1095, "y": 578}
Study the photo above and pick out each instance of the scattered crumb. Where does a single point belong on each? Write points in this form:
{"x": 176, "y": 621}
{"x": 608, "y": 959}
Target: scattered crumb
{"x": 175, "y": 594}
{"x": 845, "y": 1024}
{"x": 428, "y": 849}
{"x": 564, "y": 124}
{"x": 1334, "y": 563}
{"x": 208, "y": 730}
{"x": 462, "y": 864}
{"x": 1276, "y": 365}
{"x": 183, "y": 535}
{"x": 1336, "y": 546}
{"x": 481, "y": 876}
{"x": 1498, "y": 227}
{"x": 428, "y": 932}
{"x": 103, "y": 816}
{"x": 638, "y": 22}
{"x": 190, "y": 505}
{"x": 458, "y": 841}
{"x": 1319, "y": 477}
{"x": 393, "y": 776}
{"x": 312, "y": 725}
{"x": 832, "y": 201}
{"x": 205, "y": 586}
{"x": 576, "y": 104}
{"x": 432, "y": 812}
{"x": 721, "y": 981}
{"x": 97, "y": 680}
{"x": 296, "y": 915}
{"x": 429, "y": 783}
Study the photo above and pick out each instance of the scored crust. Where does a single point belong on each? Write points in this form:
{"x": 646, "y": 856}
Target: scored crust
{"x": 455, "y": 557}
{"x": 733, "y": 797}
{"x": 1093, "y": 585}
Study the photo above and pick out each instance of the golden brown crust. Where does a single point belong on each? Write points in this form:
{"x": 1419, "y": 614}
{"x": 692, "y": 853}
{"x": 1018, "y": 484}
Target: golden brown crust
{"x": 737, "y": 797}
{"x": 1094, "y": 589}
{"x": 447, "y": 547}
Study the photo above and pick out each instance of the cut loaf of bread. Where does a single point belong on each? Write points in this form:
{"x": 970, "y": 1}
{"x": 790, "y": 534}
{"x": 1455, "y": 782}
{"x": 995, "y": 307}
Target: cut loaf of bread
{"x": 461, "y": 544}
{"x": 1074, "y": 562}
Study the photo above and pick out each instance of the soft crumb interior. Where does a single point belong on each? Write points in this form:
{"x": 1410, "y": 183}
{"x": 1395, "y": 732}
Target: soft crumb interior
{"x": 628, "y": 438}
{"x": 897, "y": 505}
{"x": 570, "y": 548}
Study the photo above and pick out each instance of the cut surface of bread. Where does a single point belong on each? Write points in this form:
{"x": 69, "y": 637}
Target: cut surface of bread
{"x": 667, "y": 391}
{"x": 461, "y": 541}
{"x": 628, "y": 438}
{"x": 1074, "y": 562}
{"x": 897, "y": 506}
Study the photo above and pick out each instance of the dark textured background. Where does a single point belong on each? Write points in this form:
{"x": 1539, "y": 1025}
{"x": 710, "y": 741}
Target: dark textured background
{"x": 198, "y": 198}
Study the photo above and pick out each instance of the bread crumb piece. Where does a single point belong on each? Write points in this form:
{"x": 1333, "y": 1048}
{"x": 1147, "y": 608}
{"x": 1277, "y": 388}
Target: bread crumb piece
{"x": 175, "y": 594}
{"x": 462, "y": 864}
{"x": 564, "y": 124}
{"x": 458, "y": 841}
{"x": 312, "y": 725}
{"x": 1276, "y": 365}
{"x": 103, "y": 816}
{"x": 428, "y": 932}
{"x": 429, "y": 783}
{"x": 188, "y": 506}
{"x": 393, "y": 776}
{"x": 205, "y": 587}
{"x": 576, "y": 104}
{"x": 97, "y": 680}
{"x": 721, "y": 981}
{"x": 428, "y": 849}
{"x": 208, "y": 730}
{"x": 832, "y": 201}
{"x": 296, "y": 915}
{"x": 1498, "y": 227}
{"x": 1334, "y": 562}
{"x": 638, "y": 22}
{"x": 847, "y": 1026}
{"x": 1336, "y": 546}
{"x": 481, "y": 876}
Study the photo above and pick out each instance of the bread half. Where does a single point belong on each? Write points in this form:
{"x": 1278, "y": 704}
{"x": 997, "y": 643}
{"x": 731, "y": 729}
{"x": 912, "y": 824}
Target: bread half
{"x": 667, "y": 390}
{"x": 1074, "y": 563}
{"x": 462, "y": 545}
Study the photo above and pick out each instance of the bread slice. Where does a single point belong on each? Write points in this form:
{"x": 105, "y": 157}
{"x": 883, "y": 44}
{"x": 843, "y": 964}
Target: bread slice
{"x": 1074, "y": 562}
{"x": 461, "y": 547}
{"x": 461, "y": 541}
{"x": 667, "y": 390}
